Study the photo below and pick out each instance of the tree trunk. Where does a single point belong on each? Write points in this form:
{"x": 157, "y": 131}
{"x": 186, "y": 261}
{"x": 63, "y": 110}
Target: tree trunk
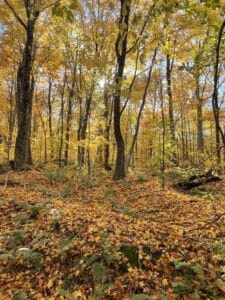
{"x": 11, "y": 119}
{"x": 68, "y": 124}
{"x": 69, "y": 117}
{"x": 215, "y": 102}
{"x": 25, "y": 87}
{"x": 62, "y": 121}
{"x": 131, "y": 150}
{"x": 50, "y": 117}
{"x": 83, "y": 129}
{"x": 44, "y": 127}
{"x": 121, "y": 52}
{"x": 24, "y": 97}
{"x": 169, "y": 67}
{"x": 163, "y": 133}
{"x": 108, "y": 120}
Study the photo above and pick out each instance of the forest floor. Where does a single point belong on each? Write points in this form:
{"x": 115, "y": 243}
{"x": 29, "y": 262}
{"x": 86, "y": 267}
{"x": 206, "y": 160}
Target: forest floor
{"x": 110, "y": 240}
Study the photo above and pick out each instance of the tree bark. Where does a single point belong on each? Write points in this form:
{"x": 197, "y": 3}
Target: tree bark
{"x": 121, "y": 52}
{"x": 62, "y": 121}
{"x": 169, "y": 67}
{"x": 134, "y": 140}
{"x": 69, "y": 116}
{"x": 107, "y": 114}
{"x": 24, "y": 93}
{"x": 215, "y": 102}
{"x": 200, "y": 137}
{"x": 163, "y": 132}
{"x": 50, "y": 117}
{"x": 82, "y": 132}
{"x": 200, "y": 126}
{"x": 11, "y": 118}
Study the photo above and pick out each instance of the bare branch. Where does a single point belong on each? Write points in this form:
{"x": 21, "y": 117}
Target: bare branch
{"x": 50, "y": 5}
{"x": 142, "y": 29}
{"x": 15, "y": 14}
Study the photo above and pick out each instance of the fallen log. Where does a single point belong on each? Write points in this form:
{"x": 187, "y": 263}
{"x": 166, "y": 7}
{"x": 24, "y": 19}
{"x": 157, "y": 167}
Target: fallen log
{"x": 198, "y": 180}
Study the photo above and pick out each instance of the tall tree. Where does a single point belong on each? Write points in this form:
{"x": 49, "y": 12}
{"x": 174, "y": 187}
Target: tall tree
{"x": 121, "y": 53}
{"x": 25, "y": 81}
{"x": 215, "y": 102}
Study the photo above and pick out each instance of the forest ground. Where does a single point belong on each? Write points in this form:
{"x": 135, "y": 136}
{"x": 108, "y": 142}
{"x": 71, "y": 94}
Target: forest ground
{"x": 110, "y": 240}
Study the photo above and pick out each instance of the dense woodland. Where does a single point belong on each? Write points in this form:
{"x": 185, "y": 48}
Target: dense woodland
{"x": 133, "y": 84}
{"x": 112, "y": 149}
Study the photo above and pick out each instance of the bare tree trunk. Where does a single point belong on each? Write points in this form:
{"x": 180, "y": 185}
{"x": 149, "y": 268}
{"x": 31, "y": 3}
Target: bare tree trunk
{"x": 24, "y": 93}
{"x": 108, "y": 120}
{"x": 44, "y": 127}
{"x": 83, "y": 128}
{"x": 169, "y": 68}
{"x": 199, "y": 118}
{"x": 79, "y": 153}
{"x": 50, "y": 117}
{"x": 134, "y": 140}
{"x": 121, "y": 52}
{"x": 62, "y": 121}
{"x": 11, "y": 120}
{"x": 69, "y": 117}
{"x": 163, "y": 133}
{"x": 215, "y": 103}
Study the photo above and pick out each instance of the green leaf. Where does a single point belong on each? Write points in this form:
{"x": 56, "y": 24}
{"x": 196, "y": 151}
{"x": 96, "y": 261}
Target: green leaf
{"x": 5, "y": 256}
{"x": 219, "y": 249}
{"x": 195, "y": 296}
{"x": 91, "y": 259}
{"x": 74, "y": 5}
{"x": 109, "y": 259}
{"x": 221, "y": 284}
{"x": 69, "y": 16}
{"x": 181, "y": 288}
{"x": 145, "y": 37}
{"x": 131, "y": 252}
{"x": 58, "y": 10}
{"x": 141, "y": 297}
{"x": 179, "y": 265}
{"x": 20, "y": 295}
{"x": 99, "y": 272}
{"x": 103, "y": 289}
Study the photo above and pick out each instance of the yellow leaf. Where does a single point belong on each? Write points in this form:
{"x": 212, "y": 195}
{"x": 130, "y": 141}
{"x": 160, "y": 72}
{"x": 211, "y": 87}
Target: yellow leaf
{"x": 50, "y": 284}
{"x": 165, "y": 282}
{"x": 221, "y": 285}
{"x": 97, "y": 239}
{"x": 78, "y": 294}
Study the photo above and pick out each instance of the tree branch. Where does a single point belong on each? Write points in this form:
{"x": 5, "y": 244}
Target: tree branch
{"x": 15, "y": 14}
{"x": 50, "y": 5}
{"x": 142, "y": 29}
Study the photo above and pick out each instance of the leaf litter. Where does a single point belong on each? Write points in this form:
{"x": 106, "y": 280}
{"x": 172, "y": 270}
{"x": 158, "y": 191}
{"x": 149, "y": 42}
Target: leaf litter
{"x": 112, "y": 240}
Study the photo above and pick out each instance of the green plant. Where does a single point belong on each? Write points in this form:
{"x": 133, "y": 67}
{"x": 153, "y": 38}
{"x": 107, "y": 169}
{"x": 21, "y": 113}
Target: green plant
{"x": 131, "y": 253}
{"x": 61, "y": 175}
{"x": 19, "y": 295}
{"x": 22, "y": 219}
{"x": 34, "y": 211}
{"x": 66, "y": 192}
{"x": 141, "y": 297}
{"x": 99, "y": 272}
{"x": 16, "y": 238}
